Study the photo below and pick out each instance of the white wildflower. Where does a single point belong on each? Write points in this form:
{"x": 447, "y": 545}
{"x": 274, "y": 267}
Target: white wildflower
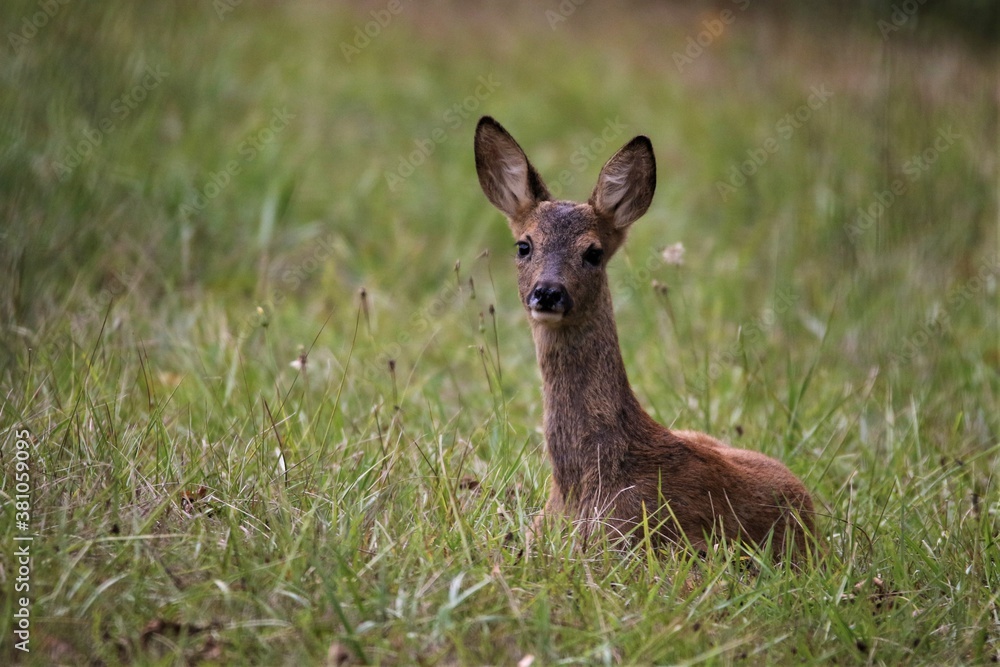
{"x": 674, "y": 254}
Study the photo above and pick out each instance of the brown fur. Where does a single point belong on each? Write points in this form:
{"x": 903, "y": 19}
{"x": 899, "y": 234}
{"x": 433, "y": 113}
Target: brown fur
{"x": 610, "y": 461}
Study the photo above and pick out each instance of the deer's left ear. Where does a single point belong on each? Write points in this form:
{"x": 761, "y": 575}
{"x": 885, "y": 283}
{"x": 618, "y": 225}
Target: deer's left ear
{"x": 625, "y": 187}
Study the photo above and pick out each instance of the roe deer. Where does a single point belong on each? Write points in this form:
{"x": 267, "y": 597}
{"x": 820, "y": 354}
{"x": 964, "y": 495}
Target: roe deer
{"x": 611, "y": 463}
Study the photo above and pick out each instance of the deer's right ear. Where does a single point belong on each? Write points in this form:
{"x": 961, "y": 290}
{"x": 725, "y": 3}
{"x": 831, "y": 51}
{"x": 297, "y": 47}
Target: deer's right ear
{"x": 507, "y": 178}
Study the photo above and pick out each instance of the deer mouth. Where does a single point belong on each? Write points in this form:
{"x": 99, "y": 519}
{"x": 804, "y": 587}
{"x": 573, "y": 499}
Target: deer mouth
{"x": 546, "y": 316}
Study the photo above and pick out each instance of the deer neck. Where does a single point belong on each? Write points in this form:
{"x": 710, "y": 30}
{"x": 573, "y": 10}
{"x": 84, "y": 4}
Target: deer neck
{"x": 590, "y": 408}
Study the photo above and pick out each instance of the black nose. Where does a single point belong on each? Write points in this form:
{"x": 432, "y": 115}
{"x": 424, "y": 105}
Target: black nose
{"x": 550, "y": 297}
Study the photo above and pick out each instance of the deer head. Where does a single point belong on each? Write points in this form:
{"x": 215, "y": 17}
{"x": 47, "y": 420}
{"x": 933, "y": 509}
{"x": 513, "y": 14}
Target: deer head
{"x": 563, "y": 247}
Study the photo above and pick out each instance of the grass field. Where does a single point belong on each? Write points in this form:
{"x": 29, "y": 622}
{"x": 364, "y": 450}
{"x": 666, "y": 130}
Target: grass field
{"x": 194, "y": 196}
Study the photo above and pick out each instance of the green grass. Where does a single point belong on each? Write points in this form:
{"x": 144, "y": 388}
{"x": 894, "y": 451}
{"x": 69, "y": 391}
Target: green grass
{"x": 196, "y": 498}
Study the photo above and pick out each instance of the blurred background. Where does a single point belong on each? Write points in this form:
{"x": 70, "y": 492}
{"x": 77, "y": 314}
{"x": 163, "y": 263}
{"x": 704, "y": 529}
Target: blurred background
{"x": 283, "y": 156}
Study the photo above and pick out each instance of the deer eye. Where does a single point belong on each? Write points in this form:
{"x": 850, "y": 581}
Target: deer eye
{"x": 593, "y": 256}
{"x": 523, "y": 249}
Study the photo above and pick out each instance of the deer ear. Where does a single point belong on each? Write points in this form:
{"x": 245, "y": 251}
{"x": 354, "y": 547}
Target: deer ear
{"x": 625, "y": 187}
{"x": 507, "y": 178}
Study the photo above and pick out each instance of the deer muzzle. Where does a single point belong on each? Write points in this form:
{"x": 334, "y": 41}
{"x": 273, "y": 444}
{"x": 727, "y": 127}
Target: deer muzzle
{"x": 549, "y": 302}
